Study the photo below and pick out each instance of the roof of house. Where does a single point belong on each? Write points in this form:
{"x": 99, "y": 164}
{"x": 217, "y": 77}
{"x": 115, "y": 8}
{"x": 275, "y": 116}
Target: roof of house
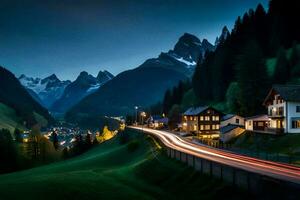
{"x": 227, "y": 116}
{"x": 195, "y": 110}
{"x": 287, "y": 92}
{"x": 228, "y": 128}
{"x": 162, "y": 120}
{"x": 158, "y": 118}
{"x": 258, "y": 117}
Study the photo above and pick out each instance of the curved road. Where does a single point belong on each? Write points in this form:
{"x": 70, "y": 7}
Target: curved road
{"x": 276, "y": 170}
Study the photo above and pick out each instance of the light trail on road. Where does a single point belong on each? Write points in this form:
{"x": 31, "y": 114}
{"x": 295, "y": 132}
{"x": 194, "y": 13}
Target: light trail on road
{"x": 271, "y": 169}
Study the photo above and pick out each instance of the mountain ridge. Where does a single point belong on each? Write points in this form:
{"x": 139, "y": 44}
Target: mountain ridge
{"x": 143, "y": 85}
{"x": 83, "y": 85}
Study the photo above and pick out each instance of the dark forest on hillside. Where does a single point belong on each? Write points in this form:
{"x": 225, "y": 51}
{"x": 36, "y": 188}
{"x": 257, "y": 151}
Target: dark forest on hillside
{"x": 236, "y": 75}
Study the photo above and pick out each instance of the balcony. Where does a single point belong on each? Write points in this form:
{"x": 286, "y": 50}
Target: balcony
{"x": 278, "y": 113}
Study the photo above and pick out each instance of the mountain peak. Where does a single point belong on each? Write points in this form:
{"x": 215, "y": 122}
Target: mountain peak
{"x": 52, "y": 77}
{"x": 85, "y": 78}
{"x": 104, "y": 76}
{"x": 83, "y": 73}
{"x": 189, "y": 39}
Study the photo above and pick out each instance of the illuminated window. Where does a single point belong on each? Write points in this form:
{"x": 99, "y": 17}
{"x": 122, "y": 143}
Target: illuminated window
{"x": 201, "y": 118}
{"x": 296, "y": 124}
{"x": 206, "y": 118}
{"x": 215, "y": 118}
{"x": 201, "y": 127}
{"x": 195, "y": 118}
{"x": 191, "y": 118}
{"x": 207, "y": 127}
{"x": 217, "y": 126}
{"x": 195, "y": 127}
{"x": 260, "y": 124}
{"x": 213, "y": 127}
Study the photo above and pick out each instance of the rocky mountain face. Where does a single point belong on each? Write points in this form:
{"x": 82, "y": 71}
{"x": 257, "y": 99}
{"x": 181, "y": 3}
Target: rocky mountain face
{"x": 46, "y": 91}
{"x": 84, "y": 85}
{"x": 144, "y": 85}
{"x": 104, "y": 76}
{"x": 184, "y": 57}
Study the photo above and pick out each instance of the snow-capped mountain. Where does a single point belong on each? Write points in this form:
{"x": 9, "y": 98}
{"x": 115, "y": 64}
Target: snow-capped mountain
{"x": 48, "y": 90}
{"x": 183, "y": 58}
{"x": 224, "y": 35}
{"x": 84, "y": 85}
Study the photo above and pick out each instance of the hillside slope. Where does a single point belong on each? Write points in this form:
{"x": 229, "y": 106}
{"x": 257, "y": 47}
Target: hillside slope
{"x": 15, "y": 96}
{"x": 140, "y": 86}
{"x": 114, "y": 171}
{"x": 8, "y": 118}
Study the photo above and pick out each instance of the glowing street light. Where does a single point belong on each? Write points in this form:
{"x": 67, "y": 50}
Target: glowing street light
{"x": 136, "y": 110}
{"x": 143, "y": 114}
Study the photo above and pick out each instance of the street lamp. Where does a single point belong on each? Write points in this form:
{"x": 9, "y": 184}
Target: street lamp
{"x": 143, "y": 114}
{"x": 136, "y": 110}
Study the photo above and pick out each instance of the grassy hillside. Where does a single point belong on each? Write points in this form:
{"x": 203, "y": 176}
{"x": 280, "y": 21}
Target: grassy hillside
{"x": 8, "y": 118}
{"x": 288, "y": 144}
{"x": 134, "y": 170}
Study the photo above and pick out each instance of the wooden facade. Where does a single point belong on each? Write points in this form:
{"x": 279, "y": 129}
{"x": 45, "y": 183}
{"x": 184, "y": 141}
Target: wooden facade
{"x": 202, "y": 121}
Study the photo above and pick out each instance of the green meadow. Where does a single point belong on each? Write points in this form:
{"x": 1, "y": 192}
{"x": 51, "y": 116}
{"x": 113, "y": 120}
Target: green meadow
{"x": 135, "y": 169}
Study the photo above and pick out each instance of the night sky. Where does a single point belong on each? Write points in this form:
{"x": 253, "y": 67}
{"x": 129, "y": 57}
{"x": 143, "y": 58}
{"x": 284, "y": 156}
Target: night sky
{"x": 39, "y": 38}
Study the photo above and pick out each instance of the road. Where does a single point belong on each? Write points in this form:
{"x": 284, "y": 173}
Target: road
{"x": 275, "y": 170}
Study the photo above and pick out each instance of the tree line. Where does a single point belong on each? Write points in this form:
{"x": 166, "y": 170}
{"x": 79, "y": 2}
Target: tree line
{"x": 237, "y": 75}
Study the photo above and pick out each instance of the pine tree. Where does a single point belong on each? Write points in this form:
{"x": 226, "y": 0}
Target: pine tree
{"x": 55, "y": 140}
{"x": 281, "y": 72}
{"x": 167, "y": 102}
{"x": 202, "y": 79}
{"x": 294, "y": 59}
{"x": 252, "y": 79}
{"x": 18, "y": 135}
{"x": 232, "y": 98}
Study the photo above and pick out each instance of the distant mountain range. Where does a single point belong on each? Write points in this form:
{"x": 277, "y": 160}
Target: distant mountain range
{"x": 144, "y": 85}
{"x": 105, "y": 94}
{"x": 57, "y": 95}
{"x": 46, "y": 91}
{"x": 84, "y": 85}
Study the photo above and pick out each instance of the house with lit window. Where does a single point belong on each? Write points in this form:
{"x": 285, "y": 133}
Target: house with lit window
{"x": 232, "y": 119}
{"x": 258, "y": 123}
{"x": 283, "y": 103}
{"x": 231, "y": 126}
{"x": 157, "y": 122}
{"x": 202, "y": 121}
